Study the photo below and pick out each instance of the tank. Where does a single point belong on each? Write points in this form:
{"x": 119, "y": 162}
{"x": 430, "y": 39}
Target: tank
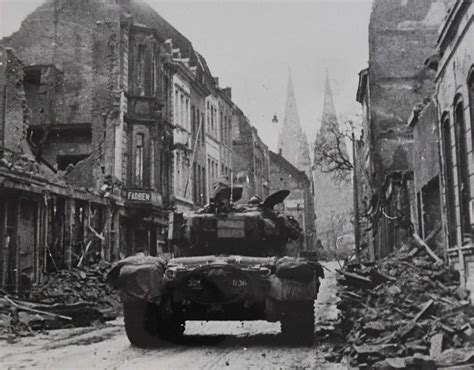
{"x": 229, "y": 264}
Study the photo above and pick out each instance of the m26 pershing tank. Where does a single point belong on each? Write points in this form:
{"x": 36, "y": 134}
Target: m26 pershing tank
{"x": 230, "y": 266}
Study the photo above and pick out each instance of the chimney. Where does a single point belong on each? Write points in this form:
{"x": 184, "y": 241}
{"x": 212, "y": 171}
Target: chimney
{"x": 228, "y": 92}
{"x": 216, "y": 81}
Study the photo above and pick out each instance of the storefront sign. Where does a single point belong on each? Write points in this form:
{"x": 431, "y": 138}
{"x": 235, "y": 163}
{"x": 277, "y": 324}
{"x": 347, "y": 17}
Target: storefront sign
{"x": 140, "y": 196}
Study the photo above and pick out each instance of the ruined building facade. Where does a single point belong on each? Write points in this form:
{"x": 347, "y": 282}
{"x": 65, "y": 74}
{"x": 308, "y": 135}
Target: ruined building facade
{"x": 402, "y": 35}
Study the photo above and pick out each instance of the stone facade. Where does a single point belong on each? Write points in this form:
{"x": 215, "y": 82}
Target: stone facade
{"x": 454, "y": 96}
{"x": 250, "y": 159}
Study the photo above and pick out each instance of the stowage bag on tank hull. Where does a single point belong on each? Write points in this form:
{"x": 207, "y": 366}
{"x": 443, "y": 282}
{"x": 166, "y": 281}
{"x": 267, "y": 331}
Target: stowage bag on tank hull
{"x": 138, "y": 277}
{"x": 286, "y": 290}
{"x": 295, "y": 269}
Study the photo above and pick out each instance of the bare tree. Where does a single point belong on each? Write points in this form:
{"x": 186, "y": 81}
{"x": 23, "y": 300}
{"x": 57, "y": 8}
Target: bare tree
{"x": 330, "y": 152}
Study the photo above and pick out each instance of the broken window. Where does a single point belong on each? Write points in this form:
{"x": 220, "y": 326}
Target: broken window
{"x": 36, "y": 99}
{"x": 449, "y": 180}
{"x": 139, "y": 159}
{"x": 463, "y": 171}
{"x": 64, "y": 161}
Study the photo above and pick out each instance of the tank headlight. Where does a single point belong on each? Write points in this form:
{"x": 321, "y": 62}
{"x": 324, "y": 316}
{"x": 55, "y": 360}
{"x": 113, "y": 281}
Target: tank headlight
{"x": 170, "y": 273}
{"x": 265, "y": 272}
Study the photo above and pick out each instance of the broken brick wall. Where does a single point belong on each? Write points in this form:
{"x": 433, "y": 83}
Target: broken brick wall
{"x": 57, "y": 40}
{"x": 60, "y": 33}
{"x": 14, "y": 114}
{"x": 402, "y": 34}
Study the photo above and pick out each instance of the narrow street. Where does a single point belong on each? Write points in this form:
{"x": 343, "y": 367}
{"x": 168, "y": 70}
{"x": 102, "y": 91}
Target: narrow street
{"x": 210, "y": 345}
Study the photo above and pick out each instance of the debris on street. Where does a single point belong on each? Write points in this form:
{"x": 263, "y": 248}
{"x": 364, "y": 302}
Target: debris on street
{"x": 66, "y": 298}
{"x": 405, "y": 311}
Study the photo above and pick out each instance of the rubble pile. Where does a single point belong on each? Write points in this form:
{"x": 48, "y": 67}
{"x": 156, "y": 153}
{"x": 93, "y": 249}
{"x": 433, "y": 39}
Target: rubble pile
{"x": 405, "y": 312}
{"x": 66, "y": 298}
{"x": 86, "y": 284}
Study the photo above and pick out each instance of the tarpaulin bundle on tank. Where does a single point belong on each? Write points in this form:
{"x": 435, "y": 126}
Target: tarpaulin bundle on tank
{"x": 288, "y": 290}
{"x": 298, "y": 269}
{"x": 138, "y": 277}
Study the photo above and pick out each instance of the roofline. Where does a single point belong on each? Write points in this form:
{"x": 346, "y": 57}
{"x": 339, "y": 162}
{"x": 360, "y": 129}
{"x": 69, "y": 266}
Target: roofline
{"x": 225, "y": 97}
{"x": 302, "y": 174}
{"x": 179, "y": 66}
{"x": 451, "y": 21}
{"x": 146, "y": 29}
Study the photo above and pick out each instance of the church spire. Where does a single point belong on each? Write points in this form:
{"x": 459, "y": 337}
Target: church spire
{"x": 292, "y": 141}
{"x": 329, "y": 112}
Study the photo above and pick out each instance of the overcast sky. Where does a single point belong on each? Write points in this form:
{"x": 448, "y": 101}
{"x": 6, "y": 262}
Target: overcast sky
{"x": 250, "y": 46}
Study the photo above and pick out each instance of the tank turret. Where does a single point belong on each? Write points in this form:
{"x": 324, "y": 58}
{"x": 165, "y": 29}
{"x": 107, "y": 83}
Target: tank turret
{"x": 226, "y": 227}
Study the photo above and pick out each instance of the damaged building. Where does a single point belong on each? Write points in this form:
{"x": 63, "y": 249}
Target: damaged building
{"x": 250, "y": 158}
{"x": 402, "y": 34}
{"x": 45, "y": 224}
{"x": 111, "y": 122}
{"x": 418, "y": 109}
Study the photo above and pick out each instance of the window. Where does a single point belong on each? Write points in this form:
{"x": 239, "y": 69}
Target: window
{"x": 176, "y": 106}
{"x": 212, "y": 120}
{"x": 470, "y": 84}
{"x": 193, "y": 124}
{"x": 186, "y": 112}
{"x": 181, "y": 111}
{"x": 203, "y": 185}
{"x": 208, "y": 110}
{"x": 141, "y": 69}
{"x": 221, "y": 126}
{"x": 165, "y": 170}
{"x": 203, "y": 132}
{"x": 178, "y": 173}
{"x": 139, "y": 157}
{"x": 152, "y": 81}
{"x": 463, "y": 170}
{"x": 195, "y": 183}
{"x": 449, "y": 180}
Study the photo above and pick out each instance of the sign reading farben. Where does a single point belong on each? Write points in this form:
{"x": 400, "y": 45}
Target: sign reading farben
{"x": 142, "y": 196}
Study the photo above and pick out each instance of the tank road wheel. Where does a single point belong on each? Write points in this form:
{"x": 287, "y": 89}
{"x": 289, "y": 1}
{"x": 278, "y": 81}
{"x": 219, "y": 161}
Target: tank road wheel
{"x": 141, "y": 319}
{"x": 297, "y": 323}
